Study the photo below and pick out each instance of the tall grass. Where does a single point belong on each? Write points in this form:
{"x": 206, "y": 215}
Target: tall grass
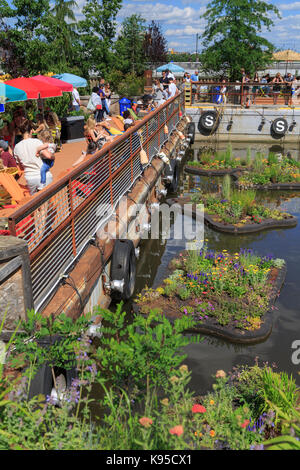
{"x": 258, "y": 162}
{"x": 226, "y": 187}
{"x": 245, "y": 198}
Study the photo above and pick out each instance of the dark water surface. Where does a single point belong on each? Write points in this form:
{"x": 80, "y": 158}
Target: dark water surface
{"x": 212, "y": 354}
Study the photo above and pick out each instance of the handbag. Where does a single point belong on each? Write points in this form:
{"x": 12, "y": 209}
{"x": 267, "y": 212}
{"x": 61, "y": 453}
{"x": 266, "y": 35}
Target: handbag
{"x": 90, "y": 105}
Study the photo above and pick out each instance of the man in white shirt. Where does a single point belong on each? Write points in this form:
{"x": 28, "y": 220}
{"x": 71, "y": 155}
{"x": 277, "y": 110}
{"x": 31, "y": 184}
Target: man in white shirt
{"x": 25, "y": 153}
{"x": 76, "y": 99}
{"x": 173, "y": 90}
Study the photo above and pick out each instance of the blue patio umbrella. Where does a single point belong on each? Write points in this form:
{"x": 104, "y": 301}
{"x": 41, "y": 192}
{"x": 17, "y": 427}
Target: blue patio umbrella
{"x": 172, "y": 67}
{"x": 76, "y": 81}
{"x": 10, "y": 93}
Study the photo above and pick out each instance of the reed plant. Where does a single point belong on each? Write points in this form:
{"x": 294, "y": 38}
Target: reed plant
{"x": 226, "y": 187}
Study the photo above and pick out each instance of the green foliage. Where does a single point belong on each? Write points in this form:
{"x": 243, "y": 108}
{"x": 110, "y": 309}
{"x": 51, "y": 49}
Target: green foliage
{"x": 127, "y": 85}
{"x": 142, "y": 354}
{"x": 129, "y": 47}
{"x": 231, "y": 37}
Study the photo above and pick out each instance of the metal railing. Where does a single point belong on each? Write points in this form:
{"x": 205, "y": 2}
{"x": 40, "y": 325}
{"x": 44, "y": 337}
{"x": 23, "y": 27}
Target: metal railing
{"x": 58, "y": 223}
{"x": 236, "y": 93}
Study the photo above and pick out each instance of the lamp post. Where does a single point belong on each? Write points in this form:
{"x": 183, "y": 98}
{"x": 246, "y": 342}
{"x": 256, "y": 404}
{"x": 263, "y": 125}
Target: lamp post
{"x": 197, "y": 37}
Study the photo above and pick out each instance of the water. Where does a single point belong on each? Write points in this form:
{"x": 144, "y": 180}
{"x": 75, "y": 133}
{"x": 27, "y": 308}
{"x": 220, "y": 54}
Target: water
{"x": 212, "y": 354}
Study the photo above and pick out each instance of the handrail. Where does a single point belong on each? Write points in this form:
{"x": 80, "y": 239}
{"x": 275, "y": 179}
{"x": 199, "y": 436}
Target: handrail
{"x": 64, "y": 216}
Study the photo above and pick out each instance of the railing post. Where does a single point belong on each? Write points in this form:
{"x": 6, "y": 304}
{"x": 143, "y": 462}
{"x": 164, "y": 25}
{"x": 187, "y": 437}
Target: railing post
{"x": 110, "y": 179}
{"x": 131, "y": 157}
{"x": 72, "y": 217}
{"x": 242, "y": 93}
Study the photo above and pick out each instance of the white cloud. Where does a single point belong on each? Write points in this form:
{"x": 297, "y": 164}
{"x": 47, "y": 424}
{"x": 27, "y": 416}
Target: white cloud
{"x": 164, "y": 13}
{"x": 290, "y": 6}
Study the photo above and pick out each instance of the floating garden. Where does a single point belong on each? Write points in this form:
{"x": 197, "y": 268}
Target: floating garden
{"x": 228, "y": 295}
{"x": 237, "y": 211}
{"x": 271, "y": 172}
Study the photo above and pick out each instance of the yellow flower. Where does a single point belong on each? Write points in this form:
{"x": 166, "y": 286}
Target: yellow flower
{"x": 212, "y": 402}
{"x": 212, "y": 433}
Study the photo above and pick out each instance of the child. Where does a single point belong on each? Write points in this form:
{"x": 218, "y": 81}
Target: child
{"x": 46, "y": 152}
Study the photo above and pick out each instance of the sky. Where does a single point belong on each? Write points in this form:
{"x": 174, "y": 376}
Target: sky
{"x": 181, "y": 21}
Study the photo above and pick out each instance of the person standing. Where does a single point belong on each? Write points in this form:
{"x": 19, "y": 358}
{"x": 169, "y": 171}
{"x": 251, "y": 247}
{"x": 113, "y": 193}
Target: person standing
{"x": 195, "y": 78}
{"x": 255, "y": 88}
{"x": 288, "y": 79}
{"x": 173, "y": 90}
{"x": 75, "y": 99}
{"x": 277, "y": 83}
{"x": 25, "y": 153}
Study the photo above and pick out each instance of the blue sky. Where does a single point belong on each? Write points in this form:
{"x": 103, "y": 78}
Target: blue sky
{"x": 181, "y": 21}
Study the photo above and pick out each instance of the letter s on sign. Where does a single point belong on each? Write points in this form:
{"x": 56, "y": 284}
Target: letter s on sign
{"x": 280, "y": 126}
{"x": 209, "y": 120}
{"x": 296, "y": 354}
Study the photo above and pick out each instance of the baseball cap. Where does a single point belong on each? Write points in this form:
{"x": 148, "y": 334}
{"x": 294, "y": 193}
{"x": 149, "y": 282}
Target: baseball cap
{"x": 3, "y": 144}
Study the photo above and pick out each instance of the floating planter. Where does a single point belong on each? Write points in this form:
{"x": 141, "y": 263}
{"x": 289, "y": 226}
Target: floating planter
{"x": 238, "y": 214}
{"x": 273, "y": 172}
{"x": 231, "y": 296}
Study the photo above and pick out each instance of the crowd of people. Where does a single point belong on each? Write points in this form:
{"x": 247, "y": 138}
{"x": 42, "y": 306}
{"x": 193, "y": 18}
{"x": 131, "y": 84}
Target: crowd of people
{"x": 248, "y": 88}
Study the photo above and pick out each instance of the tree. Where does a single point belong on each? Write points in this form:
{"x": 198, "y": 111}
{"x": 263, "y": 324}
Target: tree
{"x": 63, "y": 25}
{"x": 129, "y": 47}
{"x": 231, "y": 39}
{"x": 155, "y": 44}
{"x": 25, "y": 50}
{"x": 97, "y": 31}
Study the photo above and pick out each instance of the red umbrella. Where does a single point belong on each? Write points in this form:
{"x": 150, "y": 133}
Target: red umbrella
{"x": 35, "y": 88}
{"x": 64, "y": 86}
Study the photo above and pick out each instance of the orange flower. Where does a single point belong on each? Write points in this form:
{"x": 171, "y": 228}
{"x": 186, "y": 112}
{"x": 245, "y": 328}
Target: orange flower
{"x": 212, "y": 433}
{"x": 177, "y": 430}
{"x": 146, "y": 422}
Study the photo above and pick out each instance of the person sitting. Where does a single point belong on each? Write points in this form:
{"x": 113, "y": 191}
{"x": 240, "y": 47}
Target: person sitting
{"x": 96, "y": 138}
{"x": 7, "y": 159}
{"x": 127, "y": 117}
{"x": 25, "y": 153}
{"x": 41, "y": 124}
{"x": 46, "y": 152}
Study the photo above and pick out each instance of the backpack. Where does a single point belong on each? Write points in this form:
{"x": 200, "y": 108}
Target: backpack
{"x": 90, "y": 105}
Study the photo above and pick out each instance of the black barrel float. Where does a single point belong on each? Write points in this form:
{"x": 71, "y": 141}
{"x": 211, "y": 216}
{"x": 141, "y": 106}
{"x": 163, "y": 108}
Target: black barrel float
{"x": 42, "y": 382}
{"x": 208, "y": 122}
{"x": 123, "y": 268}
{"x": 171, "y": 175}
{"x": 279, "y": 127}
{"x": 191, "y": 132}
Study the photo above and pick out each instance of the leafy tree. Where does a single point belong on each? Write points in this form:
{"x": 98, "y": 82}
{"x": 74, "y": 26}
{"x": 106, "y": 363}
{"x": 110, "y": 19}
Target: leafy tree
{"x": 25, "y": 49}
{"x": 155, "y": 44}
{"x": 129, "y": 47}
{"x": 97, "y": 31}
{"x": 231, "y": 38}
{"x": 63, "y": 25}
